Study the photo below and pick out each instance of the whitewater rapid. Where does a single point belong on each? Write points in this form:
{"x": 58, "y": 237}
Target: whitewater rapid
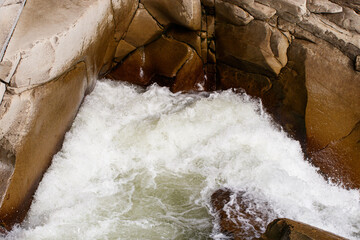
{"x": 142, "y": 164}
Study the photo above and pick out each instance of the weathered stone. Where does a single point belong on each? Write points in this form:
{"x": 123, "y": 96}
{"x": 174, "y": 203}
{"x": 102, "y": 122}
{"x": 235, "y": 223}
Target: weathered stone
{"x": 288, "y": 229}
{"x": 181, "y": 34}
{"x": 191, "y": 76}
{"x": 143, "y": 29}
{"x": 250, "y": 47}
{"x": 33, "y": 125}
{"x": 62, "y": 33}
{"x": 323, "y": 6}
{"x": 348, "y": 19}
{"x": 123, "y": 49}
{"x": 230, "y": 13}
{"x": 353, "y": 4}
{"x": 322, "y": 28}
{"x": 238, "y": 215}
{"x": 292, "y": 10}
{"x": 186, "y": 13}
{"x": 163, "y": 57}
{"x": 260, "y": 11}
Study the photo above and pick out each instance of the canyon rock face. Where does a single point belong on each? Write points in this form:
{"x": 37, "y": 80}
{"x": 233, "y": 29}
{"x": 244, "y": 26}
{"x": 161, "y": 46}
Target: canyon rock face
{"x": 55, "y": 55}
{"x": 302, "y": 58}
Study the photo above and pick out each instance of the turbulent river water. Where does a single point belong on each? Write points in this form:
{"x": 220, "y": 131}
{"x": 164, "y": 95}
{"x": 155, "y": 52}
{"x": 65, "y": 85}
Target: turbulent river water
{"x": 142, "y": 164}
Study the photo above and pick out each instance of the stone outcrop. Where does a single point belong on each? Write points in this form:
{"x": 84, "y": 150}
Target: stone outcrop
{"x": 55, "y": 55}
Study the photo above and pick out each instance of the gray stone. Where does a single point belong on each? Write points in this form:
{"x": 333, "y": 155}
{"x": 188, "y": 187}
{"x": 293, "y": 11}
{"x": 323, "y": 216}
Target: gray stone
{"x": 323, "y": 6}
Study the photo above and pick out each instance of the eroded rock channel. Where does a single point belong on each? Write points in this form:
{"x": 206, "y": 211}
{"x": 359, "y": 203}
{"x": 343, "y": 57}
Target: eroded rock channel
{"x": 301, "y": 58}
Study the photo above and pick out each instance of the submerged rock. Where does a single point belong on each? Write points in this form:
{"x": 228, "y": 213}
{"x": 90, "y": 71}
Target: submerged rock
{"x": 239, "y": 216}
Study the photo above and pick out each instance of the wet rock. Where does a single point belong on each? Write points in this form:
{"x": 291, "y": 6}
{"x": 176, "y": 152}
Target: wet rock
{"x": 230, "y": 13}
{"x": 191, "y": 76}
{"x": 240, "y": 216}
{"x": 186, "y": 13}
{"x": 163, "y": 57}
{"x": 251, "y": 48}
{"x": 143, "y": 29}
{"x": 292, "y": 230}
{"x": 323, "y": 6}
{"x": 333, "y": 109}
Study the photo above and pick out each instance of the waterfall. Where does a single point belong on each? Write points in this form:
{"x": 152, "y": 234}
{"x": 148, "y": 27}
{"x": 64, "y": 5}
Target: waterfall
{"x": 142, "y": 164}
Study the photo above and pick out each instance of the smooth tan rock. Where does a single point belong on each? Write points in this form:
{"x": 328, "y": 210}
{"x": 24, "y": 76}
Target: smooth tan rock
{"x": 323, "y": 6}
{"x": 55, "y": 35}
{"x": 333, "y": 110}
{"x": 123, "y": 49}
{"x": 186, "y": 13}
{"x": 33, "y": 126}
{"x": 230, "y": 13}
{"x": 292, "y": 230}
{"x": 8, "y": 15}
{"x": 143, "y": 29}
{"x": 250, "y": 47}
{"x": 163, "y": 57}
{"x": 357, "y": 63}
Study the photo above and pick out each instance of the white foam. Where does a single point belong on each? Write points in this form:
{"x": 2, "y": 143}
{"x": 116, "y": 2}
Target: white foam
{"x": 143, "y": 165}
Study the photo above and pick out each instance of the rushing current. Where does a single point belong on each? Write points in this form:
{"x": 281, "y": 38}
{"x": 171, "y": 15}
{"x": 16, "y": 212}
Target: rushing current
{"x": 142, "y": 164}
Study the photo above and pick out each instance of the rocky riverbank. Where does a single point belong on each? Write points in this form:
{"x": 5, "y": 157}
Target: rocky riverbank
{"x": 300, "y": 57}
